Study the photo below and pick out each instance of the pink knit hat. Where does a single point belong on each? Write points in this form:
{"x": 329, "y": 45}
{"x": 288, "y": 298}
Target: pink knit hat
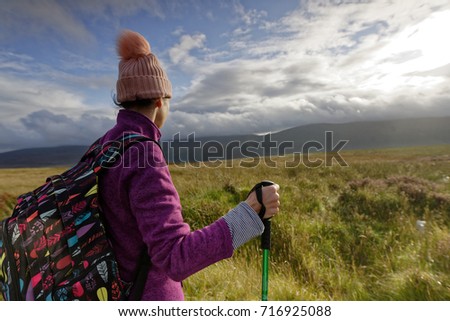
{"x": 140, "y": 73}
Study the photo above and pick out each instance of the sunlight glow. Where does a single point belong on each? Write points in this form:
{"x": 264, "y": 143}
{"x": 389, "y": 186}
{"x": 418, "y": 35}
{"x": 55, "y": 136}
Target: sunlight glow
{"x": 428, "y": 37}
{"x": 410, "y": 57}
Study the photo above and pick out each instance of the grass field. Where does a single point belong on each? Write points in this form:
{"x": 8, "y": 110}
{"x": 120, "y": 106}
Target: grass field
{"x": 344, "y": 233}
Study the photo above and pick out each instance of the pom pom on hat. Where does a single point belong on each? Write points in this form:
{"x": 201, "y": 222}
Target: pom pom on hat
{"x": 131, "y": 44}
{"x": 141, "y": 76}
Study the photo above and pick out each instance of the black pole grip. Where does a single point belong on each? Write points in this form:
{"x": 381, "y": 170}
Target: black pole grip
{"x": 265, "y": 237}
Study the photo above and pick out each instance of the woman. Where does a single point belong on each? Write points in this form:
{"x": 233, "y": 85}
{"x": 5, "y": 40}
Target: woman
{"x": 139, "y": 200}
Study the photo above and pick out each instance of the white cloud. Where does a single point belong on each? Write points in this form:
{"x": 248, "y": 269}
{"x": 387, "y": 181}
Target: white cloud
{"x": 180, "y": 53}
{"x": 248, "y": 17}
{"x": 241, "y": 31}
{"x": 178, "y": 31}
{"x": 20, "y": 95}
{"x": 14, "y": 62}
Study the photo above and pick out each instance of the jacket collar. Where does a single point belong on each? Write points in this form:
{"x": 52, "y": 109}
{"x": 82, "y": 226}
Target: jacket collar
{"x": 131, "y": 121}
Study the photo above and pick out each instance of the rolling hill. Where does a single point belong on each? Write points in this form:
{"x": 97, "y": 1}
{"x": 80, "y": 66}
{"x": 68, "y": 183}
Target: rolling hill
{"x": 354, "y": 135}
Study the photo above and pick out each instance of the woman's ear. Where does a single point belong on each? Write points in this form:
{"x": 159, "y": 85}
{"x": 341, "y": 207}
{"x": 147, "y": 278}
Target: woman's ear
{"x": 158, "y": 102}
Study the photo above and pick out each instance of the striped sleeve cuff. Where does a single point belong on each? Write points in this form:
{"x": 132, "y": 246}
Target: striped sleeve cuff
{"x": 244, "y": 224}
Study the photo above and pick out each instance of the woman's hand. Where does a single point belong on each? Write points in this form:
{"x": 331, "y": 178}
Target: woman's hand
{"x": 270, "y": 199}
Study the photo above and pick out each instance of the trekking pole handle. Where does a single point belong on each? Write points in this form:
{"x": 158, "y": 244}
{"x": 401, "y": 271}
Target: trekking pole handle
{"x": 265, "y": 237}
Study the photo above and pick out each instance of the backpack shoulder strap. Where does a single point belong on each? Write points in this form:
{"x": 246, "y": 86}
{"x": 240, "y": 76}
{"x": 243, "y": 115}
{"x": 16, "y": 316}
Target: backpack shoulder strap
{"x": 104, "y": 155}
{"x": 140, "y": 278}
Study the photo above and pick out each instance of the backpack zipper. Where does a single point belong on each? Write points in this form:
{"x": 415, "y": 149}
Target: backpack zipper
{"x": 15, "y": 293}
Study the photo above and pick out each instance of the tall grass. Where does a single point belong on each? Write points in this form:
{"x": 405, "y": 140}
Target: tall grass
{"x": 344, "y": 233}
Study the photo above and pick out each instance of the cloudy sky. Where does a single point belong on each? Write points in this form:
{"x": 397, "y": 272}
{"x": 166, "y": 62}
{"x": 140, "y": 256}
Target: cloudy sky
{"x": 236, "y": 66}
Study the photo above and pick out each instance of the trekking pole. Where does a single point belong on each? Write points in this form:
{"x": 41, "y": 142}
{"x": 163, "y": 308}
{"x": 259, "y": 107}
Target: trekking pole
{"x": 265, "y": 245}
{"x": 265, "y": 239}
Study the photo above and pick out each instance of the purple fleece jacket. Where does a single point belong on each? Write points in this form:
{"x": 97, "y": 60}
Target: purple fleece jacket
{"x": 142, "y": 210}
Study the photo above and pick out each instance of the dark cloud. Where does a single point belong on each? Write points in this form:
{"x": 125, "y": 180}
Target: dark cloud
{"x": 44, "y": 128}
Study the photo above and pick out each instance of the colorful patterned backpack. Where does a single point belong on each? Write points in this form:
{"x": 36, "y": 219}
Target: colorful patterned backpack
{"x": 54, "y": 246}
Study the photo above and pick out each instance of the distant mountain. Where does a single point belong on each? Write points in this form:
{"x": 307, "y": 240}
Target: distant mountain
{"x": 355, "y": 135}
{"x": 42, "y": 157}
{"x": 312, "y": 138}
{"x": 377, "y": 134}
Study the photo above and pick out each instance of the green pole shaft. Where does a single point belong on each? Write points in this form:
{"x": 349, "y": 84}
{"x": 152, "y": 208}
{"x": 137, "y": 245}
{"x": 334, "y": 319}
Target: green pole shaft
{"x": 265, "y": 275}
{"x": 265, "y": 238}
{"x": 265, "y": 245}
